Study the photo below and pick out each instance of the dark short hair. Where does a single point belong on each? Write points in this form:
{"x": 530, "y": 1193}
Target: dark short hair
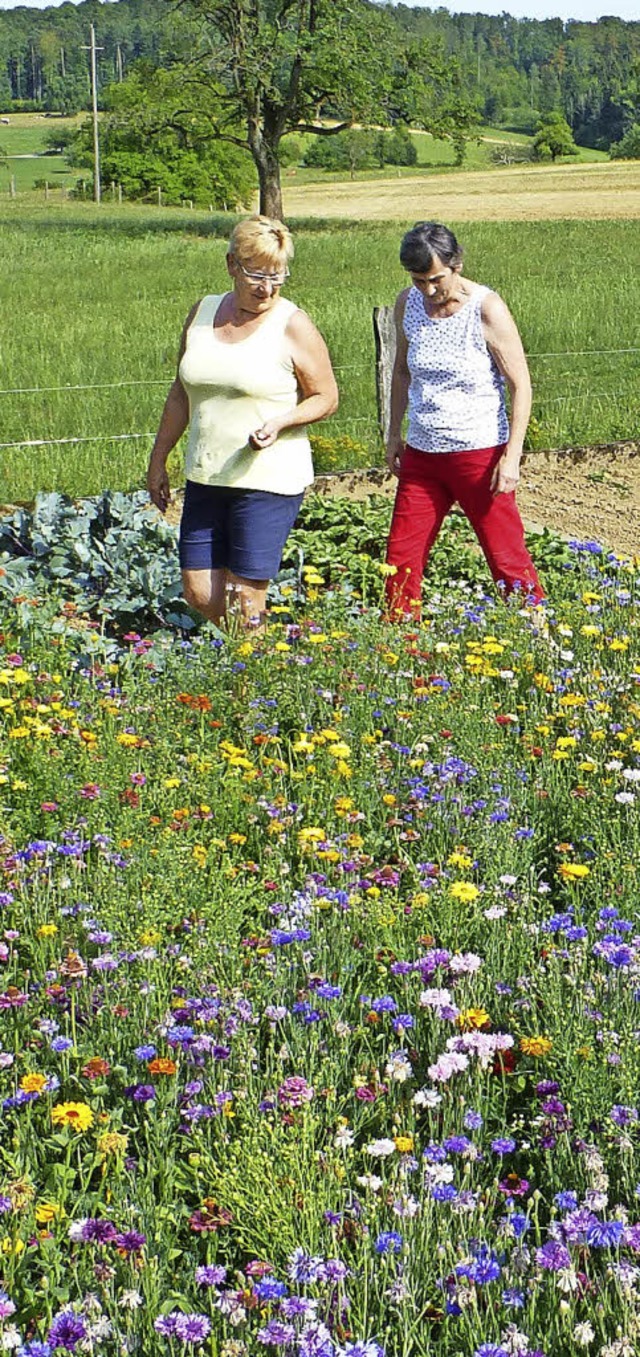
{"x": 423, "y": 241}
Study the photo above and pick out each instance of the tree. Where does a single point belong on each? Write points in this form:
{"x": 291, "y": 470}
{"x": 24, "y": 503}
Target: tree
{"x": 284, "y": 65}
{"x": 628, "y": 148}
{"x": 147, "y": 143}
{"x": 553, "y": 138}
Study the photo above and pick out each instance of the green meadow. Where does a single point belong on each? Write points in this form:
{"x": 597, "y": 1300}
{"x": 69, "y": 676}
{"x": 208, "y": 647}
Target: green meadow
{"x": 97, "y": 297}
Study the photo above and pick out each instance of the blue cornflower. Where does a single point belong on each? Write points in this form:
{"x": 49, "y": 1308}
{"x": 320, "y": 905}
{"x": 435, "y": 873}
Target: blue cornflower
{"x": 35, "y": 1349}
{"x": 473, "y": 1120}
{"x": 389, "y": 1242}
{"x": 270, "y": 1289}
{"x": 503, "y": 1145}
{"x": 553, "y": 1256}
{"x": 513, "y": 1298}
{"x": 385, "y": 1004}
{"x": 403, "y": 1022}
{"x": 444, "y": 1192}
{"x": 60, "y": 1044}
{"x": 490, "y": 1350}
{"x": 605, "y": 1234}
{"x": 67, "y": 1330}
{"x": 566, "y": 1201}
{"x": 456, "y": 1144}
{"x": 434, "y": 1154}
{"x": 143, "y": 1053}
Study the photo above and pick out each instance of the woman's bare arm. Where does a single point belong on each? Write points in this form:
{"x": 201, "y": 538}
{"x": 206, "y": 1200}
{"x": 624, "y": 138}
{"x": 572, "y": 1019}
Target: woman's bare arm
{"x": 314, "y": 373}
{"x": 505, "y": 345}
{"x": 173, "y": 422}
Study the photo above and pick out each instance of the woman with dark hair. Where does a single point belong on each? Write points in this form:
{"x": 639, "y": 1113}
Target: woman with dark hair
{"x": 253, "y": 372}
{"x": 457, "y": 346}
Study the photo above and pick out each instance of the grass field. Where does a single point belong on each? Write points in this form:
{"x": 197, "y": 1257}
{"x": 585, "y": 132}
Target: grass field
{"x": 103, "y": 293}
{"x": 27, "y": 135}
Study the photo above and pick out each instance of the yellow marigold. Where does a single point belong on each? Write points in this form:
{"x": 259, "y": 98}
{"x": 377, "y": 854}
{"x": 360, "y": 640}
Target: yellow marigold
{"x": 403, "y": 1144}
{"x": 573, "y": 871}
{"x": 473, "y": 1020}
{"x": 45, "y": 1212}
{"x": 33, "y": 1083}
{"x": 76, "y": 1115}
{"x": 535, "y": 1045}
{"x": 464, "y": 891}
{"x": 459, "y": 858}
{"x": 112, "y": 1142}
{"x": 162, "y": 1065}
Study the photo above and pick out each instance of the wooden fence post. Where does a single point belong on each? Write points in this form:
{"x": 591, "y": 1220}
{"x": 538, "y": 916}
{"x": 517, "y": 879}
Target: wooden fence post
{"x": 384, "y": 330}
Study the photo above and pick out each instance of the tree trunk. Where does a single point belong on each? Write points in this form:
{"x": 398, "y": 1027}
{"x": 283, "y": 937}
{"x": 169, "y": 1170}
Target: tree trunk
{"x": 268, "y": 167}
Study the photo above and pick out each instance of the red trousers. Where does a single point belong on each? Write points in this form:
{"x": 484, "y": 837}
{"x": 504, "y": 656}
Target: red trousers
{"x": 428, "y": 484}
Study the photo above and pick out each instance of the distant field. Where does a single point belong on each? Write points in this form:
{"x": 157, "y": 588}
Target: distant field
{"x": 531, "y": 193}
{"x": 26, "y": 135}
{"x": 103, "y": 293}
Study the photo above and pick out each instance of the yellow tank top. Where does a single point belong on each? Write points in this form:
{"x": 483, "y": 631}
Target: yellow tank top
{"x": 232, "y": 390}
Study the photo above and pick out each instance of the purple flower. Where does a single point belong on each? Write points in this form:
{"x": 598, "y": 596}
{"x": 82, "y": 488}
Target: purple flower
{"x": 443, "y": 1192}
{"x": 295, "y": 1092}
{"x": 490, "y": 1350}
{"x": 276, "y": 1334}
{"x": 144, "y": 1053}
{"x": 67, "y": 1330}
{"x": 60, "y": 1044}
{"x": 553, "y": 1256}
{"x": 98, "y": 1232}
{"x": 7, "y": 1306}
{"x": 141, "y": 1093}
{"x": 5, "y": 1205}
{"x": 456, "y": 1144}
{"x": 473, "y": 1120}
{"x": 361, "y": 1349}
{"x": 211, "y": 1275}
{"x": 304, "y": 1267}
{"x": 503, "y": 1145}
{"x": 315, "y": 1341}
{"x": 130, "y": 1242}
{"x": 35, "y": 1349}
{"x": 192, "y": 1328}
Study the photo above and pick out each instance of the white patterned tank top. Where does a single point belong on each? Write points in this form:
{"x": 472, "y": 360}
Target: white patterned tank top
{"x": 456, "y": 393}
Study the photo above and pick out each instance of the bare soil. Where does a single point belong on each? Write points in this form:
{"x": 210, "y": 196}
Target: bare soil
{"x": 586, "y": 493}
{"x": 592, "y": 494}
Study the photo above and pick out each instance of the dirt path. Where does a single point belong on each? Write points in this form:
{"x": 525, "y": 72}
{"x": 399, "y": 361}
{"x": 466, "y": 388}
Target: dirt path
{"x": 586, "y": 493}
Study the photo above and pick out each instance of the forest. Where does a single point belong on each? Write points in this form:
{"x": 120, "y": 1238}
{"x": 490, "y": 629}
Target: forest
{"x": 510, "y": 70}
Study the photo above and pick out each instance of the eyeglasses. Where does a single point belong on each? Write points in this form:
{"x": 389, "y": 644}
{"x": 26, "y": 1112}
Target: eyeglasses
{"x": 276, "y": 279}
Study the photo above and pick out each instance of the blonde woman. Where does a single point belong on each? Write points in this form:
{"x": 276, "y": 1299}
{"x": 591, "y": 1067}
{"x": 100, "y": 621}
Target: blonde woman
{"x": 253, "y": 371}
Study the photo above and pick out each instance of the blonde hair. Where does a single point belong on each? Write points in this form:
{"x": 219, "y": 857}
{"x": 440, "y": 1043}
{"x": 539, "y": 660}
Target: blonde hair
{"x": 261, "y": 240}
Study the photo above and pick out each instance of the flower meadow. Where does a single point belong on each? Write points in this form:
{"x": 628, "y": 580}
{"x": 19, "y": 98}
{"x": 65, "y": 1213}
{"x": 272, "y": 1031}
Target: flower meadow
{"x": 320, "y": 979}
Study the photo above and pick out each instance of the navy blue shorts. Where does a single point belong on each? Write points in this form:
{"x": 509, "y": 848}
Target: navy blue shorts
{"x": 243, "y": 531}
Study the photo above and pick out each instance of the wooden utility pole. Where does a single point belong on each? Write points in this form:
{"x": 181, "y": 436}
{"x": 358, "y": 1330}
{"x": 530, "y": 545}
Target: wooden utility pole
{"x": 94, "y": 105}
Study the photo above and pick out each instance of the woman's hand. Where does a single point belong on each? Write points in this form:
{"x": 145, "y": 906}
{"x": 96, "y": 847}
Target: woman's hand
{"x": 506, "y": 473}
{"x": 395, "y": 449}
{"x": 265, "y": 435}
{"x": 158, "y": 486}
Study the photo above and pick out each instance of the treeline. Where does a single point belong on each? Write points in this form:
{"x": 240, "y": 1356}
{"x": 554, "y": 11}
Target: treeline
{"x": 519, "y": 69}
{"x": 513, "y": 70}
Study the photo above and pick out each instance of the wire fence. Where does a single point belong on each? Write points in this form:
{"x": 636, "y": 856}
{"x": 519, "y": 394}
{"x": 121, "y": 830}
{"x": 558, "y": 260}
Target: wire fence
{"x": 541, "y": 399}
